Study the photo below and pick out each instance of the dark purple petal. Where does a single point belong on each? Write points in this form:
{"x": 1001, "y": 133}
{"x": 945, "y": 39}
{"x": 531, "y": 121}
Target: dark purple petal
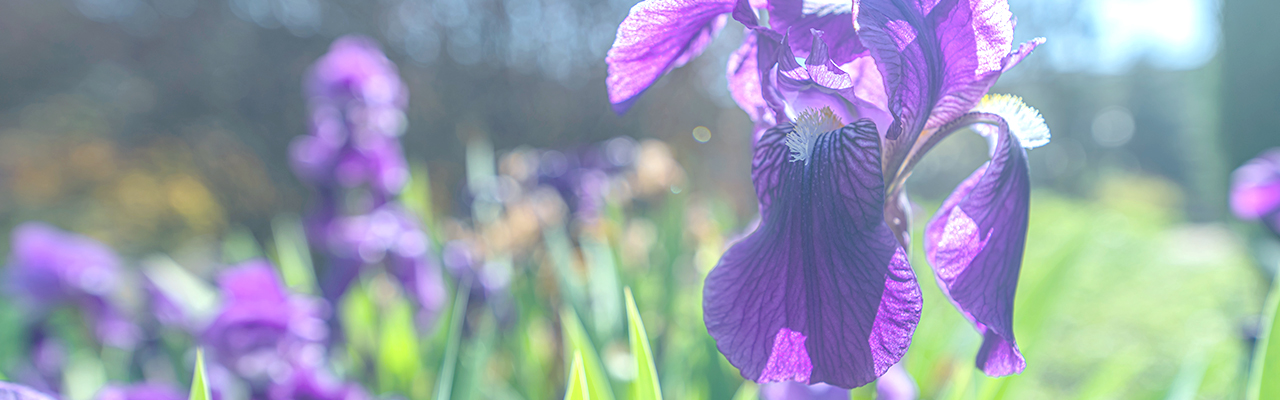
{"x": 821, "y": 292}
{"x": 656, "y": 37}
{"x": 834, "y": 17}
{"x": 19, "y": 392}
{"x": 1255, "y": 187}
{"x": 140, "y": 392}
{"x": 975, "y": 244}
{"x": 938, "y": 58}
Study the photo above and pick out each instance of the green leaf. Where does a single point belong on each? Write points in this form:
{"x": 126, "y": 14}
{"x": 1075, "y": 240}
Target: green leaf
{"x": 199, "y": 389}
{"x": 444, "y": 383}
{"x": 1264, "y": 376}
{"x": 580, "y": 344}
{"x": 577, "y": 388}
{"x": 748, "y": 391}
{"x": 292, "y": 254}
{"x": 398, "y": 354}
{"x": 646, "y": 385}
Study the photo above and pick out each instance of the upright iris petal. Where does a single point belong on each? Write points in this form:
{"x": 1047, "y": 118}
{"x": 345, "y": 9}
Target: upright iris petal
{"x": 833, "y": 17}
{"x": 938, "y": 58}
{"x": 821, "y": 291}
{"x": 656, "y": 37}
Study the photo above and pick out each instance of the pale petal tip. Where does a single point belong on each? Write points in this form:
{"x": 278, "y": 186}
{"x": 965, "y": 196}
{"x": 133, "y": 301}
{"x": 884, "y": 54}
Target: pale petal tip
{"x": 1024, "y": 121}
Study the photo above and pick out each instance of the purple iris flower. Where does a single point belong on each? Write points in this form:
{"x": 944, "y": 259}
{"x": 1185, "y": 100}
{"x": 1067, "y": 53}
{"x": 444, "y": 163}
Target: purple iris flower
{"x": 822, "y": 291}
{"x": 19, "y": 392}
{"x": 1255, "y": 190}
{"x": 49, "y": 268}
{"x": 260, "y": 324}
{"x": 140, "y": 392}
{"x": 354, "y": 160}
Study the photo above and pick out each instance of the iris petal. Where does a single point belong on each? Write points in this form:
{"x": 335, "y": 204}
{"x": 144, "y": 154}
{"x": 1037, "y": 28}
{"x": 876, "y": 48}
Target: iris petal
{"x": 835, "y": 18}
{"x": 938, "y": 58}
{"x": 974, "y": 244}
{"x": 656, "y": 37}
{"x": 821, "y": 291}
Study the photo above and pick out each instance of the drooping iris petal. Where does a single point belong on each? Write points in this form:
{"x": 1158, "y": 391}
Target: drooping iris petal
{"x": 938, "y": 58}
{"x": 833, "y": 17}
{"x": 821, "y": 292}
{"x": 974, "y": 244}
{"x": 656, "y": 37}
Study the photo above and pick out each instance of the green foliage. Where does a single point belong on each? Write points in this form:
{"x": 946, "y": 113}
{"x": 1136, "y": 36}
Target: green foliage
{"x": 577, "y": 342}
{"x": 1264, "y": 380}
{"x": 646, "y": 385}
{"x": 293, "y": 257}
{"x": 577, "y": 388}
{"x": 199, "y": 387}
{"x": 444, "y": 382}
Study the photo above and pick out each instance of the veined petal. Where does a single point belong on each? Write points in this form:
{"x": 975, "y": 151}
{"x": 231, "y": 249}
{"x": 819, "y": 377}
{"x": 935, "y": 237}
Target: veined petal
{"x": 974, "y": 244}
{"x": 656, "y": 37}
{"x": 938, "y": 58}
{"x": 1255, "y": 187}
{"x": 821, "y": 291}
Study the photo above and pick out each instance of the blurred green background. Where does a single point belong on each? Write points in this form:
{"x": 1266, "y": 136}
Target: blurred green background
{"x": 162, "y": 126}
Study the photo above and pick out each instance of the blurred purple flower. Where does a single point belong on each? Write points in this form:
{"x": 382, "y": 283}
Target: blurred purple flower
{"x": 798, "y": 391}
{"x": 308, "y": 382}
{"x": 896, "y": 384}
{"x": 140, "y": 392}
{"x": 49, "y": 268}
{"x": 354, "y": 161}
{"x": 827, "y": 267}
{"x": 19, "y": 392}
{"x": 1255, "y": 190}
{"x": 389, "y": 236}
{"x": 260, "y": 325}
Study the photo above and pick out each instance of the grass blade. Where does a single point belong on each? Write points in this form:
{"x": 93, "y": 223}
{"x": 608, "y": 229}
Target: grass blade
{"x": 580, "y": 344}
{"x": 577, "y": 388}
{"x": 444, "y": 383}
{"x": 199, "y": 387}
{"x": 646, "y": 385}
{"x": 1264, "y": 375}
{"x": 293, "y": 255}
